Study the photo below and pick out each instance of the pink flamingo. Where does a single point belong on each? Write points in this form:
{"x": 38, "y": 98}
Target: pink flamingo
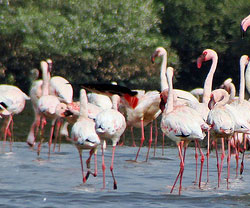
{"x": 12, "y": 101}
{"x": 181, "y": 124}
{"x": 202, "y": 107}
{"x": 84, "y": 136}
{"x": 110, "y": 125}
{"x": 47, "y": 103}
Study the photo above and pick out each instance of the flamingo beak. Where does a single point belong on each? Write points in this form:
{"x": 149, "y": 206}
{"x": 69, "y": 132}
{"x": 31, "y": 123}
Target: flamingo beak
{"x": 200, "y": 60}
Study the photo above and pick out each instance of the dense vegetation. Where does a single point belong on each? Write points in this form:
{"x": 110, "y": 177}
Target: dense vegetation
{"x": 109, "y": 40}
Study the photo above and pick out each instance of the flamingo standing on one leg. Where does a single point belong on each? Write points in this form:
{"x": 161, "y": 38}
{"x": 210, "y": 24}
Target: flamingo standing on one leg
{"x": 110, "y": 125}
{"x": 181, "y": 124}
{"x": 83, "y": 134}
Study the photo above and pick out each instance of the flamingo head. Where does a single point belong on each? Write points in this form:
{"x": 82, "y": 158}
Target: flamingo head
{"x": 206, "y": 55}
{"x": 245, "y": 23}
{"x": 61, "y": 108}
{"x": 244, "y": 60}
{"x": 160, "y": 51}
{"x": 49, "y": 62}
{"x": 226, "y": 83}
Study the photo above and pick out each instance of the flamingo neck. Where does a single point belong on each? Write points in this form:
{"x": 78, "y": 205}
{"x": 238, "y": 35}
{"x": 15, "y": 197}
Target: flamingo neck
{"x": 247, "y": 78}
{"x": 115, "y": 101}
{"x": 223, "y": 99}
{"x": 232, "y": 91}
{"x": 45, "y": 85}
{"x": 170, "y": 101}
{"x": 209, "y": 80}
{"x": 242, "y": 82}
{"x": 83, "y": 105}
{"x": 164, "y": 83}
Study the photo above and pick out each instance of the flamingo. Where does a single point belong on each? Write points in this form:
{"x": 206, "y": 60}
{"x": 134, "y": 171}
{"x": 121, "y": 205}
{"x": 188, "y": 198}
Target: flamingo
{"x": 12, "y": 101}
{"x": 202, "y": 108}
{"x": 181, "y": 124}
{"x": 182, "y": 95}
{"x": 245, "y": 23}
{"x": 242, "y": 105}
{"x": 84, "y": 136}
{"x": 58, "y": 86}
{"x": 47, "y": 103}
{"x": 110, "y": 125}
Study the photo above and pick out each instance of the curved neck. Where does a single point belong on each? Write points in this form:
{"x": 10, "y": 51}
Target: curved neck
{"x": 170, "y": 101}
{"x": 223, "y": 99}
{"x": 83, "y": 105}
{"x": 164, "y": 82}
{"x": 242, "y": 82}
{"x": 232, "y": 91}
{"x": 209, "y": 81}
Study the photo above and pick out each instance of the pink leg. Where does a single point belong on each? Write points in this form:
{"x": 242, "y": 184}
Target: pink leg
{"x": 181, "y": 164}
{"x": 156, "y": 136}
{"x": 196, "y": 161}
{"x": 243, "y": 154}
{"x": 7, "y": 128}
{"x": 181, "y": 175}
{"x": 58, "y": 125}
{"x": 202, "y": 162}
{"x": 222, "y": 156}
{"x": 208, "y": 152}
{"x": 42, "y": 124}
{"x": 80, "y": 155}
{"x": 112, "y": 167}
{"x": 142, "y": 139}
{"x": 103, "y": 168}
{"x": 150, "y": 140}
{"x": 228, "y": 162}
{"x": 51, "y": 133}
{"x": 91, "y": 152}
{"x": 218, "y": 163}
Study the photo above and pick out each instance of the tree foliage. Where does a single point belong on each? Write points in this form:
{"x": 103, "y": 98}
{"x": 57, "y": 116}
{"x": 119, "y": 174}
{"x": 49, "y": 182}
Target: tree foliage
{"x": 91, "y": 40}
{"x": 194, "y": 25}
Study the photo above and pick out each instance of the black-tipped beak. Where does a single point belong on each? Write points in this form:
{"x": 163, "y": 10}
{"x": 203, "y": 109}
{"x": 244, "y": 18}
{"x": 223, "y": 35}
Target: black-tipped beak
{"x": 68, "y": 113}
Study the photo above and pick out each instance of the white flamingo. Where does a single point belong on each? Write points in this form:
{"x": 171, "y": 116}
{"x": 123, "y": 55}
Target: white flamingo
{"x": 181, "y": 124}
{"x": 84, "y": 136}
{"x": 110, "y": 125}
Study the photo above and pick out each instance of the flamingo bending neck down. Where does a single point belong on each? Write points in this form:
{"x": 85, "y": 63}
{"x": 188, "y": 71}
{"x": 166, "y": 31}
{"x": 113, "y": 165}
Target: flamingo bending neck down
{"x": 245, "y": 23}
{"x": 182, "y": 124}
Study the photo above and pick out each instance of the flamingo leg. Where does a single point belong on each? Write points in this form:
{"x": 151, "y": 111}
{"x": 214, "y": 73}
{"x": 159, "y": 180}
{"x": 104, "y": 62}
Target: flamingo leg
{"x": 150, "y": 140}
{"x": 218, "y": 163}
{"x": 208, "y": 153}
{"x": 7, "y": 130}
{"x": 42, "y": 124}
{"x": 103, "y": 168}
{"x": 91, "y": 152}
{"x": 243, "y": 155}
{"x": 202, "y": 162}
{"x": 156, "y": 137}
{"x": 181, "y": 175}
{"x": 142, "y": 139}
{"x": 112, "y": 167}
{"x": 58, "y": 125}
{"x": 80, "y": 155}
{"x": 228, "y": 162}
{"x": 179, "y": 145}
{"x": 196, "y": 161}
{"x": 51, "y": 133}
{"x": 222, "y": 156}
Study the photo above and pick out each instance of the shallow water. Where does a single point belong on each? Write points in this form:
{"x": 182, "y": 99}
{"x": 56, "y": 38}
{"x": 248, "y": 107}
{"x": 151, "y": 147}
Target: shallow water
{"x": 27, "y": 180}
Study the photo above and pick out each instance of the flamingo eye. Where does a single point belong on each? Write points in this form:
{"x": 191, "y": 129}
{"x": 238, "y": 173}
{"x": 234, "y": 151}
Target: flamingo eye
{"x": 205, "y": 53}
